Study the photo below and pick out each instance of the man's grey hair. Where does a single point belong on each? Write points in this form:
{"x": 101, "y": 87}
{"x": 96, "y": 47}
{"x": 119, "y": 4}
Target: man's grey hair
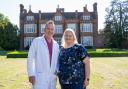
{"x": 49, "y": 22}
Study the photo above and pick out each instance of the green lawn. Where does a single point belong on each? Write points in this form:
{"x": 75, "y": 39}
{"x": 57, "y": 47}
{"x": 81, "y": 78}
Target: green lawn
{"x": 106, "y": 73}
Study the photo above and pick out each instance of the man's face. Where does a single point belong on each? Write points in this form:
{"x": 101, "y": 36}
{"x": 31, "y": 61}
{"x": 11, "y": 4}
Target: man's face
{"x": 49, "y": 31}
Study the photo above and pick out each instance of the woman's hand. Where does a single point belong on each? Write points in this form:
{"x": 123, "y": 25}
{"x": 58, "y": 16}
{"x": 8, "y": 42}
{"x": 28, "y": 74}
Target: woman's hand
{"x": 86, "y": 60}
{"x": 86, "y": 82}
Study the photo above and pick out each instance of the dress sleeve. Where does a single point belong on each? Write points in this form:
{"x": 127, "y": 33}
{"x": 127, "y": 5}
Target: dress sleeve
{"x": 83, "y": 52}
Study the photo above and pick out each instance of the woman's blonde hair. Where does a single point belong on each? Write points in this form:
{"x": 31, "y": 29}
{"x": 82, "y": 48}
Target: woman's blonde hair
{"x": 63, "y": 38}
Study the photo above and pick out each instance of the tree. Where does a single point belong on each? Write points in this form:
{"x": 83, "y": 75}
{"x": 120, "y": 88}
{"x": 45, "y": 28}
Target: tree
{"x": 8, "y": 34}
{"x": 116, "y": 24}
{"x": 3, "y": 20}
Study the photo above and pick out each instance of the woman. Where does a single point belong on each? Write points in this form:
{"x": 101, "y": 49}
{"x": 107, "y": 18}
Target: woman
{"x": 74, "y": 64}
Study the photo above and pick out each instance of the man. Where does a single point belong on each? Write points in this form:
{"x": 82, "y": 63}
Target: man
{"x": 42, "y": 59}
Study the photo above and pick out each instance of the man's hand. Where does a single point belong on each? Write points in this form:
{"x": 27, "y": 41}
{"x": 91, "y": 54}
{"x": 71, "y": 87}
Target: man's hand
{"x": 32, "y": 80}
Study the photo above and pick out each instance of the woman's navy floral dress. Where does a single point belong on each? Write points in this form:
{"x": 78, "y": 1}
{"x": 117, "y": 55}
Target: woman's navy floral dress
{"x": 71, "y": 67}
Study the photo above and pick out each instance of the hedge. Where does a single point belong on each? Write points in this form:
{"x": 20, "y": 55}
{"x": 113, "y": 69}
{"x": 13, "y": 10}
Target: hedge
{"x": 17, "y": 54}
{"x": 108, "y": 54}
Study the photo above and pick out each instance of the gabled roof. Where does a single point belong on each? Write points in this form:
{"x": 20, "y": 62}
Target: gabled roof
{"x": 66, "y": 15}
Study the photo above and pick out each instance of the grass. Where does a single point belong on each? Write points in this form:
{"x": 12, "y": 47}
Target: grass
{"x": 109, "y": 73}
{"x": 13, "y": 74}
{"x": 106, "y": 73}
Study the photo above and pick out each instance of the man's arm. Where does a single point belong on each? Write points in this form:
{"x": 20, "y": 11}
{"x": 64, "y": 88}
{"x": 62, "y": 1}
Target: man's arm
{"x": 31, "y": 63}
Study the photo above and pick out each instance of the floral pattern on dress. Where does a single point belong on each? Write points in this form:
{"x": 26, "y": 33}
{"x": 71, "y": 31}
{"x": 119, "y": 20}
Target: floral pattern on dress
{"x": 71, "y": 67}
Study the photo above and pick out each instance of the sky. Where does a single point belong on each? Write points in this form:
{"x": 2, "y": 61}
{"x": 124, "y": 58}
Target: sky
{"x": 11, "y": 9}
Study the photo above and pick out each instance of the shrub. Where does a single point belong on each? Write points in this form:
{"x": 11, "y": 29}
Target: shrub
{"x": 108, "y": 54}
{"x": 88, "y": 47}
{"x": 92, "y": 53}
{"x": 1, "y": 49}
{"x": 17, "y": 54}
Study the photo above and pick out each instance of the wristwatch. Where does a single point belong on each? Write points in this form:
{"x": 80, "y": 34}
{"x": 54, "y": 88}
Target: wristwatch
{"x": 87, "y": 79}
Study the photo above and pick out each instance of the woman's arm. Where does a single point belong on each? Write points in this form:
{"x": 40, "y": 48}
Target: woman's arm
{"x": 87, "y": 70}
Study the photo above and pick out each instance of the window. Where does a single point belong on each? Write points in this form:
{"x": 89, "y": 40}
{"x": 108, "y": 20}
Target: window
{"x": 72, "y": 26}
{"x": 87, "y": 40}
{"x": 58, "y": 39}
{"x": 27, "y": 41}
{"x": 86, "y": 27}
{"x": 86, "y": 17}
{"x": 30, "y": 28}
{"x": 58, "y": 29}
{"x": 30, "y": 18}
{"x": 58, "y": 18}
{"x": 42, "y": 28}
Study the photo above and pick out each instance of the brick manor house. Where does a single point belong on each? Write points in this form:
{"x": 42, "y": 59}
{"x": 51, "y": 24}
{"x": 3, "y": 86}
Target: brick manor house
{"x": 85, "y": 25}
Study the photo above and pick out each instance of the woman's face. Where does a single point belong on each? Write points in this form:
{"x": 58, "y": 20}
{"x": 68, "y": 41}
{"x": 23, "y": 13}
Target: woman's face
{"x": 68, "y": 36}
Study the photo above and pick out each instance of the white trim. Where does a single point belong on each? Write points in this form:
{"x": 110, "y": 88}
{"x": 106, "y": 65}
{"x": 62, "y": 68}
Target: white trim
{"x": 58, "y": 29}
{"x": 30, "y": 28}
{"x": 86, "y": 17}
{"x": 87, "y": 40}
{"x": 30, "y": 18}
{"x": 72, "y": 26}
{"x": 42, "y": 27}
{"x": 58, "y": 18}
{"x": 86, "y": 27}
{"x": 27, "y": 41}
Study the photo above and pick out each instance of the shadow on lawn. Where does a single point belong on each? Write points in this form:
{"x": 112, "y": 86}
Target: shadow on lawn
{"x": 3, "y": 53}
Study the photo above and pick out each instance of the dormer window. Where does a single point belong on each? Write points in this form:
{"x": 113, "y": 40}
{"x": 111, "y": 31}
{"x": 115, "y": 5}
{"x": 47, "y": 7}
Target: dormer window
{"x": 58, "y": 18}
{"x": 30, "y": 18}
{"x": 85, "y": 17}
